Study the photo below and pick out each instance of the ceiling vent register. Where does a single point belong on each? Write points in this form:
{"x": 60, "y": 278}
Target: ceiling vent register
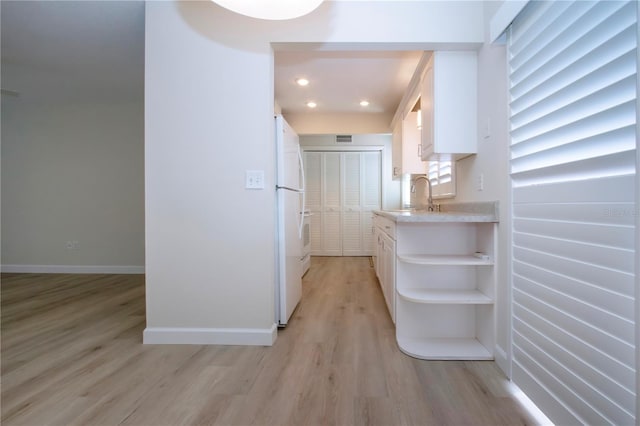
{"x": 343, "y": 139}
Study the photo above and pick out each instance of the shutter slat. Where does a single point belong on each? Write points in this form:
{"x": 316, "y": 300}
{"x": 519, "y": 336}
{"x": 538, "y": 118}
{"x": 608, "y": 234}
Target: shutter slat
{"x": 557, "y": 19}
{"x": 576, "y": 388}
{"x": 597, "y": 234}
{"x": 617, "y": 117}
{"x": 616, "y": 303}
{"x": 563, "y": 112}
{"x": 574, "y": 368}
{"x": 580, "y": 47}
{"x": 613, "y": 347}
{"x": 617, "y": 140}
{"x": 597, "y": 276}
{"x": 618, "y": 259}
{"x": 612, "y": 189}
{"x": 621, "y": 163}
{"x": 618, "y": 372}
{"x": 618, "y": 214}
{"x": 540, "y": 102}
{"x": 591, "y": 317}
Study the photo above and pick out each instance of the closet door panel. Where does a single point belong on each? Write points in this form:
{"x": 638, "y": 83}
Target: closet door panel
{"x": 371, "y": 198}
{"x": 313, "y": 175}
{"x": 352, "y": 220}
{"x": 332, "y": 204}
{"x": 331, "y": 234}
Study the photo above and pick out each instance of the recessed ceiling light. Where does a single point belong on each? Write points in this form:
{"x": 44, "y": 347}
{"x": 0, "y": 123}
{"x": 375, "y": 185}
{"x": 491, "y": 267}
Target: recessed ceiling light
{"x": 302, "y": 82}
{"x": 364, "y": 103}
{"x": 312, "y": 104}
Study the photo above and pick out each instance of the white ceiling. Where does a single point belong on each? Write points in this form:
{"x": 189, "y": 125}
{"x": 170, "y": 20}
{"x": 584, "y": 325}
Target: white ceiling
{"x": 96, "y": 48}
{"x": 340, "y": 80}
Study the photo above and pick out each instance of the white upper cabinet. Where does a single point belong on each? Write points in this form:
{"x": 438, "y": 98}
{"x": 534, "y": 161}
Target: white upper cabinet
{"x": 407, "y": 145}
{"x": 443, "y": 91}
{"x": 411, "y": 145}
{"x": 449, "y": 99}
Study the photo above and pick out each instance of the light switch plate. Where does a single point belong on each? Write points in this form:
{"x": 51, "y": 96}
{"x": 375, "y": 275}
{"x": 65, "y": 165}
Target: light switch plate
{"x": 254, "y": 179}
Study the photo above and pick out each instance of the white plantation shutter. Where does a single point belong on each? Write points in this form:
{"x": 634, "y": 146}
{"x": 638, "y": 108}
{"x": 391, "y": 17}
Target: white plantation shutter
{"x": 441, "y": 176}
{"x": 573, "y": 93}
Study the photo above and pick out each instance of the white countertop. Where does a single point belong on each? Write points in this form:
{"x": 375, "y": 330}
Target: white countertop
{"x": 453, "y": 212}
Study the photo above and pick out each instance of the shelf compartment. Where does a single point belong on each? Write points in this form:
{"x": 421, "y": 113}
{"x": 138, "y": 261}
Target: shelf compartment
{"x": 444, "y": 349}
{"x": 438, "y": 296}
{"x": 452, "y": 259}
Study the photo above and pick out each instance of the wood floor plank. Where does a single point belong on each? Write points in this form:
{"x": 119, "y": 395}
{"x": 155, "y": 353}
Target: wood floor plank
{"x": 72, "y": 355}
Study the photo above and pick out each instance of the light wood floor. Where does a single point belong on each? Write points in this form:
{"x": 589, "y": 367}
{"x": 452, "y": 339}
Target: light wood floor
{"x": 72, "y": 355}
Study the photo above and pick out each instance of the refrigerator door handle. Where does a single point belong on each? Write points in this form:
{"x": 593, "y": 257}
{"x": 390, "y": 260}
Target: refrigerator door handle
{"x": 288, "y": 188}
{"x": 301, "y": 169}
{"x": 302, "y": 207}
{"x": 301, "y": 216}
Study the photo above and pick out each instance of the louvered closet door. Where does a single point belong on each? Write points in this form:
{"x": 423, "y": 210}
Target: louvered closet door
{"x": 361, "y": 189}
{"x": 573, "y": 69}
{"x": 351, "y": 217}
{"x": 332, "y": 204}
{"x": 371, "y": 197}
{"x": 313, "y": 175}
{"x": 342, "y": 190}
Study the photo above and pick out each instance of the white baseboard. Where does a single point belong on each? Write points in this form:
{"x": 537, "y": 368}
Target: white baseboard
{"x": 73, "y": 269}
{"x": 210, "y": 336}
{"x": 502, "y": 359}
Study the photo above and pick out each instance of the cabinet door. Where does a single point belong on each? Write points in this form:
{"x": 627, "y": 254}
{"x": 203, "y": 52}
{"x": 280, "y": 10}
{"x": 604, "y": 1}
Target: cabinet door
{"x": 376, "y": 251}
{"x": 449, "y": 91}
{"x": 361, "y": 189}
{"x": 411, "y": 149}
{"x": 396, "y": 150}
{"x": 426, "y": 109}
{"x": 388, "y": 282}
{"x": 382, "y": 263}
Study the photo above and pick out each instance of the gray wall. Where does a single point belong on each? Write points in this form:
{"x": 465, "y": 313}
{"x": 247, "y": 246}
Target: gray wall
{"x": 72, "y": 171}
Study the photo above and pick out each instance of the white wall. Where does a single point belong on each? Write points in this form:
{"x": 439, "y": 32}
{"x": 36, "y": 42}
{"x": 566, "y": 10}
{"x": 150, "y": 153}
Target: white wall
{"x": 340, "y": 123}
{"x": 492, "y": 162}
{"x": 390, "y": 187}
{"x": 209, "y": 117}
{"x": 72, "y": 170}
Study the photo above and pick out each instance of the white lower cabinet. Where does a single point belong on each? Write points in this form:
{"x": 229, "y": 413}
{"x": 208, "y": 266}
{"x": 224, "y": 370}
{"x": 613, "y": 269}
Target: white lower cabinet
{"x": 385, "y": 260}
{"x": 445, "y": 291}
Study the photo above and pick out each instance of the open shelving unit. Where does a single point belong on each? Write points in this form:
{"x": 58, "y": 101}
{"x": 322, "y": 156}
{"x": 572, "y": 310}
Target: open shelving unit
{"x": 444, "y": 297}
{"x": 442, "y": 259}
{"x": 445, "y": 291}
{"x": 444, "y": 349}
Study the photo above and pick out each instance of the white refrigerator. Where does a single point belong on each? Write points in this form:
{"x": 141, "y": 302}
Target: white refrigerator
{"x": 290, "y": 215}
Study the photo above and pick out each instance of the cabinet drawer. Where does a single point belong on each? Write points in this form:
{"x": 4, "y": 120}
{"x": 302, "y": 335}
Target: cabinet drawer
{"x": 387, "y": 226}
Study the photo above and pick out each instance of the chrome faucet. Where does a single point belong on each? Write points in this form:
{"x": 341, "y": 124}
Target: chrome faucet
{"x": 430, "y": 206}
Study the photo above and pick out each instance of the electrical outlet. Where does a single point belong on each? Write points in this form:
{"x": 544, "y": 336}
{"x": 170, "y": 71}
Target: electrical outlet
{"x": 254, "y": 179}
{"x": 72, "y": 245}
{"x": 480, "y": 182}
{"x": 487, "y": 129}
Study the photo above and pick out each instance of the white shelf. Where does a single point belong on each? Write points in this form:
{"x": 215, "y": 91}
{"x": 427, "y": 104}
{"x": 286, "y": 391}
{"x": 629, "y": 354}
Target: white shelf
{"x": 452, "y": 259}
{"x": 444, "y": 349}
{"x": 432, "y": 296}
